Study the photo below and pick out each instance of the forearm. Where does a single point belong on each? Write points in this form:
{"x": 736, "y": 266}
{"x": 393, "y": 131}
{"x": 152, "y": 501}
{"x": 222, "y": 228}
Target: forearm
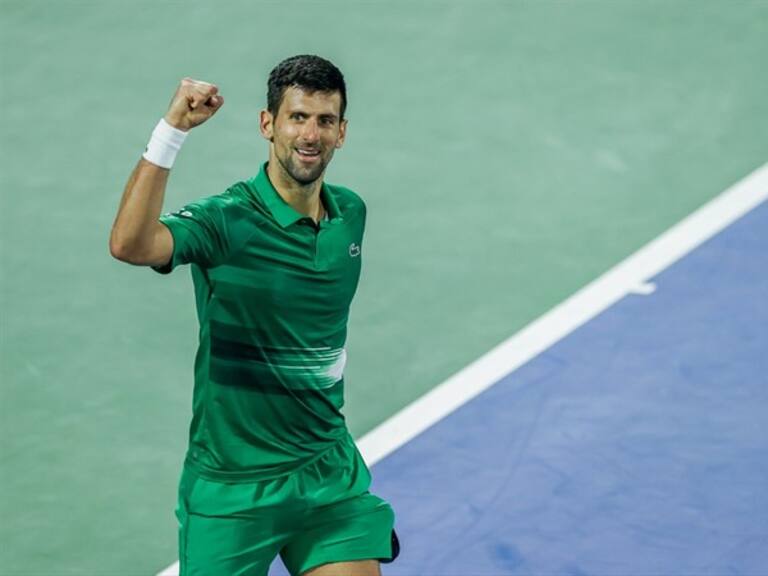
{"x": 140, "y": 207}
{"x": 137, "y": 236}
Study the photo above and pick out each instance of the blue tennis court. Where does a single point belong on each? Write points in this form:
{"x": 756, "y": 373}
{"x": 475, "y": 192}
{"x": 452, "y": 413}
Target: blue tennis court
{"x": 636, "y": 445}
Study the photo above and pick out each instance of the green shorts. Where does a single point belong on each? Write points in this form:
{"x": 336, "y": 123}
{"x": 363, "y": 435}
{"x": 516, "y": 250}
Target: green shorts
{"x": 321, "y": 513}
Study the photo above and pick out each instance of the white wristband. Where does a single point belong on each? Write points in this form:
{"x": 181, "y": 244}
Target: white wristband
{"x": 164, "y": 144}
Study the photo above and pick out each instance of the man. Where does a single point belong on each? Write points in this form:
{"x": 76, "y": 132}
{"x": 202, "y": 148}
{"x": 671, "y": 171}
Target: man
{"x": 271, "y": 468}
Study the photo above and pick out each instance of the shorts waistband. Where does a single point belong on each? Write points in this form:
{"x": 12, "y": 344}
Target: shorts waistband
{"x": 248, "y": 476}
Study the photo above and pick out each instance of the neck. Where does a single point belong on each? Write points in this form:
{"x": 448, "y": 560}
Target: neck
{"x": 304, "y": 198}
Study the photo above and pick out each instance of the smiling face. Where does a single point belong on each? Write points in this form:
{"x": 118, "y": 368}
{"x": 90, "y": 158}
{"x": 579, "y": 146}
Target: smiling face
{"x": 304, "y": 133}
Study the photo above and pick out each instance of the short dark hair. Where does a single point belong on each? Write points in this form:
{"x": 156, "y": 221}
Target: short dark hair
{"x": 306, "y": 71}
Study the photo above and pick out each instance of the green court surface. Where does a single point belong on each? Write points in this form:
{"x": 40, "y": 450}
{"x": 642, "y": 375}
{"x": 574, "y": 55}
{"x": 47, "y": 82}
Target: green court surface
{"x": 509, "y": 153}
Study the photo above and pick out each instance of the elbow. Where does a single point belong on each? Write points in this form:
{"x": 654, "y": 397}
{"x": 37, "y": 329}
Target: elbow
{"x": 118, "y": 252}
{"x": 119, "y": 249}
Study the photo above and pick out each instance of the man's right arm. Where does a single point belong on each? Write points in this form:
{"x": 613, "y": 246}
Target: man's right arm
{"x": 137, "y": 236}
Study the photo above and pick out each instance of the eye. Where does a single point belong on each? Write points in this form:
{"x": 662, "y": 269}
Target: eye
{"x": 297, "y": 116}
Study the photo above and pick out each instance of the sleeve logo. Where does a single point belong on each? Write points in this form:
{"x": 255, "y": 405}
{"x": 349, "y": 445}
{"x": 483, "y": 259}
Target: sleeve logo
{"x": 354, "y": 250}
{"x": 183, "y": 213}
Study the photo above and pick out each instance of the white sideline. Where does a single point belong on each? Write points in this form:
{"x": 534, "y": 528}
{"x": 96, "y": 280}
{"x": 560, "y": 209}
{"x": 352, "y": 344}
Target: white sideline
{"x": 625, "y": 277}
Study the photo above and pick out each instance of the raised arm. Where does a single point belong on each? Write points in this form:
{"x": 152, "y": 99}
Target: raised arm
{"x": 137, "y": 235}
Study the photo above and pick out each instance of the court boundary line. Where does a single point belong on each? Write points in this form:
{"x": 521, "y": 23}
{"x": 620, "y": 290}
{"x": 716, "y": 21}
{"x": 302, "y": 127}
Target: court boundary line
{"x": 624, "y": 278}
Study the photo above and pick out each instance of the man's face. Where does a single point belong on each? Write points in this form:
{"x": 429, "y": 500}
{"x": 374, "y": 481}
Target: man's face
{"x": 305, "y": 132}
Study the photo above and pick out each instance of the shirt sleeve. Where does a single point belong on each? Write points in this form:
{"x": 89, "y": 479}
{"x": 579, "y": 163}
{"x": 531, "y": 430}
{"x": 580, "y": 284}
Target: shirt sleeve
{"x": 201, "y": 233}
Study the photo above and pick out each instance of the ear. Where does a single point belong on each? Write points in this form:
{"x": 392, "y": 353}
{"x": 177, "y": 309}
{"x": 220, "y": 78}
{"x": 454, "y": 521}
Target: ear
{"x": 342, "y": 133}
{"x": 266, "y": 124}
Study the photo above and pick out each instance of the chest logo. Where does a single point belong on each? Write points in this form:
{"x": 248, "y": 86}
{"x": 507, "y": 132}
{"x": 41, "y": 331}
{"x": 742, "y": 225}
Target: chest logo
{"x": 354, "y": 250}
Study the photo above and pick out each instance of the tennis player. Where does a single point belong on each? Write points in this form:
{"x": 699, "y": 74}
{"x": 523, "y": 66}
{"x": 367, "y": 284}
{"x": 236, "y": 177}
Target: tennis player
{"x": 275, "y": 259}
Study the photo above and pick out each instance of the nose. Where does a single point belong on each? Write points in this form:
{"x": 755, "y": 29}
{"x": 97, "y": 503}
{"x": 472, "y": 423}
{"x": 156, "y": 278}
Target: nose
{"x": 310, "y": 131}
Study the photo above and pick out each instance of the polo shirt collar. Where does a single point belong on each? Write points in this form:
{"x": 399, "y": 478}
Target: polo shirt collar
{"x": 283, "y": 212}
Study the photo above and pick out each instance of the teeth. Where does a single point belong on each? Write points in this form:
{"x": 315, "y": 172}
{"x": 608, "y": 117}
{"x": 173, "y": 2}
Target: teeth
{"x": 309, "y": 152}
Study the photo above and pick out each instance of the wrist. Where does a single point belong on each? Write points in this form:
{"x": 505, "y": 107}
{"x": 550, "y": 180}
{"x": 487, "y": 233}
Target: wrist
{"x": 175, "y": 123}
{"x": 164, "y": 144}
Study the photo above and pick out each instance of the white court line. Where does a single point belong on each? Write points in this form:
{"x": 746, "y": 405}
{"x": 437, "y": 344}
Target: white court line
{"x": 563, "y": 319}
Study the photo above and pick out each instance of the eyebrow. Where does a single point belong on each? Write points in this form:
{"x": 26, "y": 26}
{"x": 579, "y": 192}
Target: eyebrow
{"x": 324, "y": 115}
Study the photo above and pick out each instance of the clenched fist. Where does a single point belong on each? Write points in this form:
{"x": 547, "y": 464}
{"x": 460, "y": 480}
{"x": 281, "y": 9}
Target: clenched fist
{"x": 194, "y": 102}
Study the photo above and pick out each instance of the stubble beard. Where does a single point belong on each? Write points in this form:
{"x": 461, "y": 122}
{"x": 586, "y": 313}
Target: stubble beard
{"x": 303, "y": 176}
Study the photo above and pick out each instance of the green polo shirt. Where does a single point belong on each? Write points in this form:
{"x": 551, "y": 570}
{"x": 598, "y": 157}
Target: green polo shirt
{"x": 273, "y": 291}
